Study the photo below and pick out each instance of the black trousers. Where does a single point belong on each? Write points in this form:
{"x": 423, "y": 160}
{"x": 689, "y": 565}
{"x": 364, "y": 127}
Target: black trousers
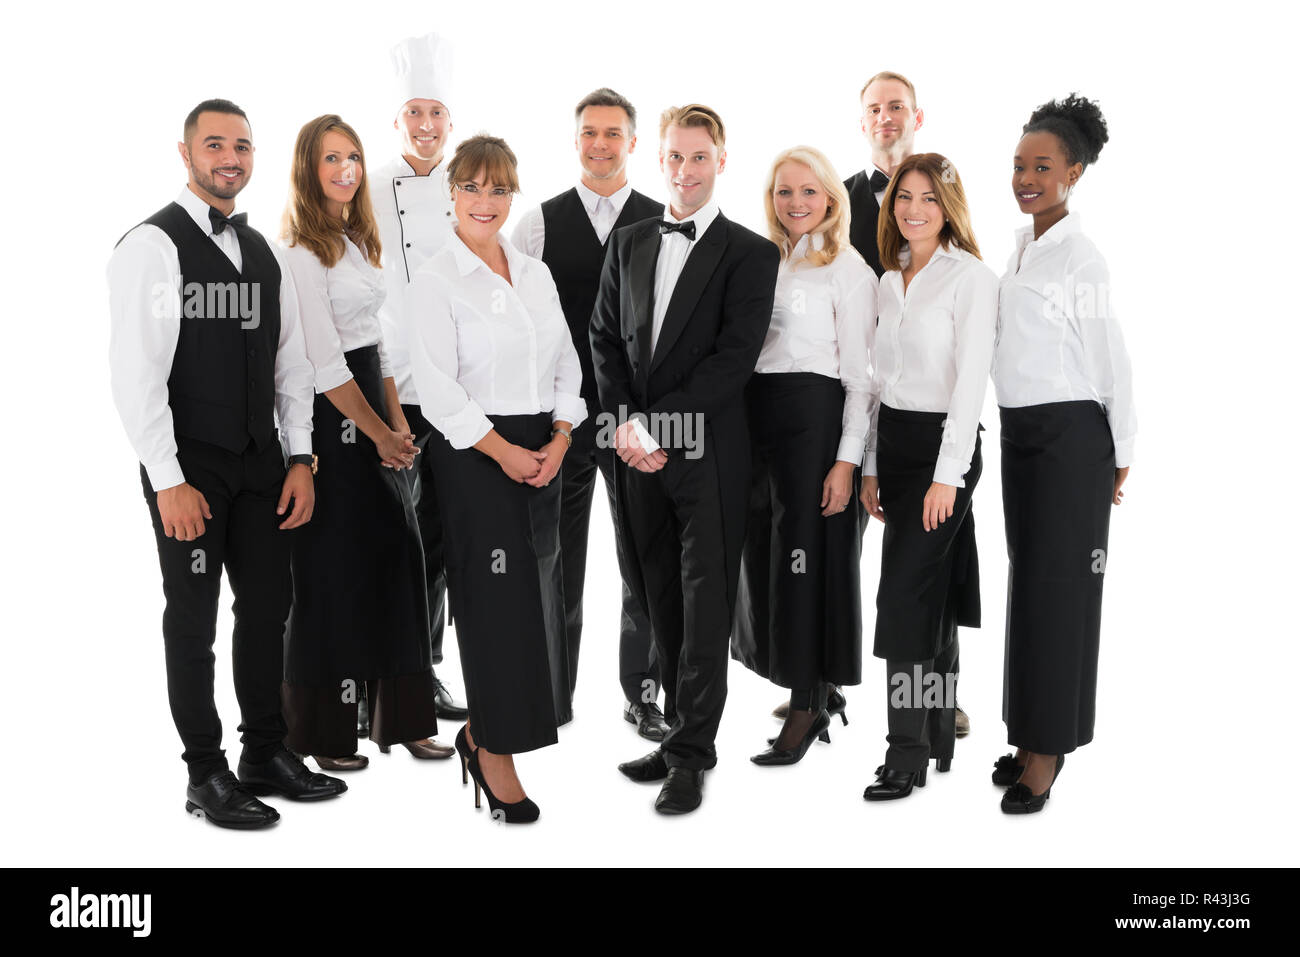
{"x": 243, "y": 537}
{"x": 920, "y": 731}
{"x": 675, "y": 516}
{"x": 426, "y": 513}
{"x": 638, "y": 671}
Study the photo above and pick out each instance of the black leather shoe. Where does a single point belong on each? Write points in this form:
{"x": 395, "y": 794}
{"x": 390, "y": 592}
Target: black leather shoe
{"x": 651, "y": 767}
{"x": 223, "y": 801}
{"x": 774, "y": 756}
{"x": 445, "y": 706}
{"x": 1020, "y": 800}
{"x": 649, "y": 720}
{"x": 682, "y": 793}
{"x": 1005, "y": 771}
{"x": 891, "y": 785}
{"x": 285, "y": 774}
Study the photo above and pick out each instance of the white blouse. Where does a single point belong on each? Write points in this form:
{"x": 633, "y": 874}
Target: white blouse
{"x": 482, "y": 346}
{"x": 824, "y": 321}
{"x": 339, "y": 310}
{"x": 934, "y": 350}
{"x": 1058, "y": 340}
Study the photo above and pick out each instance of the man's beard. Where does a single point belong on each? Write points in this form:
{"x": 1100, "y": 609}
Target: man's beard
{"x": 221, "y": 188}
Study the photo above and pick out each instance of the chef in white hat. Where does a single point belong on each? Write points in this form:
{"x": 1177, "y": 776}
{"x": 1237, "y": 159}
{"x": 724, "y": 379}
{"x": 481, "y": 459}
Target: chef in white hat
{"x": 413, "y": 207}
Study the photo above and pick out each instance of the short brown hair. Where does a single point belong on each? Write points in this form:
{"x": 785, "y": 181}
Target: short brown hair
{"x": 887, "y": 75}
{"x": 952, "y": 200}
{"x": 607, "y": 97}
{"x": 694, "y": 114}
{"x": 489, "y": 155}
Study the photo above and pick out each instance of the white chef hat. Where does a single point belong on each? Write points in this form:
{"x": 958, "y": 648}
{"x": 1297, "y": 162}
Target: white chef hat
{"x": 422, "y": 68}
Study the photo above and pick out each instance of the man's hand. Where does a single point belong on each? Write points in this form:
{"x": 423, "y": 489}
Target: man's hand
{"x": 183, "y": 509}
{"x": 301, "y": 490}
{"x": 629, "y": 448}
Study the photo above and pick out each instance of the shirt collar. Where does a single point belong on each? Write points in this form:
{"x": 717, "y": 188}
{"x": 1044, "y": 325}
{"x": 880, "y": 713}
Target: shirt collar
{"x": 702, "y": 217}
{"x": 590, "y": 198}
{"x": 405, "y": 169}
{"x": 808, "y": 242}
{"x": 1068, "y": 225}
{"x": 467, "y": 261}
{"x": 198, "y": 208}
{"x": 952, "y": 251}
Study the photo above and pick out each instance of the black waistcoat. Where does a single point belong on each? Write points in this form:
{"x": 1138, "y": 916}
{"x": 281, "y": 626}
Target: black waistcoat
{"x": 222, "y": 384}
{"x": 863, "y": 211}
{"x": 574, "y": 256}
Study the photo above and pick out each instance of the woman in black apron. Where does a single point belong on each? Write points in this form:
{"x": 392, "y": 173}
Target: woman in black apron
{"x": 499, "y": 379}
{"x": 934, "y": 347}
{"x": 799, "y": 615}
{"x": 359, "y": 620}
{"x": 1064, "y": 388}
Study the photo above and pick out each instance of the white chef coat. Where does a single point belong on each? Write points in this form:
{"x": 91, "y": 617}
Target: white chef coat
{"x": 934, "y": 350}
{"x": 415, "y": 216}
{"x": 144, "y": 283}
{"x": 529, "y": 236}
{"x": 824, "y": 321}
{"x": 1058, "y": 340}
{"x": 482, "y": 346}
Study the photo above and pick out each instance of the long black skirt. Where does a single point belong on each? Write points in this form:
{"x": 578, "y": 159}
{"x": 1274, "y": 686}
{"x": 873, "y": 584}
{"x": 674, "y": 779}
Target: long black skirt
{"x": 359, "y": 609}
{"x": 1058, "y": 478}
{"x": 502, "y": 548}
{"x": 928, "y": 580}
{"x": 799, "y": 614}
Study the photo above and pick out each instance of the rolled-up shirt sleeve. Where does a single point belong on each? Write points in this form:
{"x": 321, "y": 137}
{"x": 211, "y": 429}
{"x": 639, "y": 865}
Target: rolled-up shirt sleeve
{"x": 1106, "y": 358}
{"x": 434, "y": 364}
{"x": 975, "y": 317}
{"x": 324, "y": 348}
{"x": 294, "y": 375}
{"x": 857, "y": 303}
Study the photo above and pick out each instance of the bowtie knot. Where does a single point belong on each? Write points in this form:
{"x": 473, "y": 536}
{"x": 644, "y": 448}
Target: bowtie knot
{"x": 220, "y": 221}
{"x": 878, "y": 181}
{"x": 687, "y": 229}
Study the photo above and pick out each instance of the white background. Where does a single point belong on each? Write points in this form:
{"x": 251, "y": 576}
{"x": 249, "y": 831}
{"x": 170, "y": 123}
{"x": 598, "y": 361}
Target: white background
{"x": 1191, "y": 202}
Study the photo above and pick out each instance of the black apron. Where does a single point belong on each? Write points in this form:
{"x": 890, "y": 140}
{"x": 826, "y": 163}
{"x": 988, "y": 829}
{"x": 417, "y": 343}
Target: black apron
{"x": 799, "y": 615}
{"x": 923, "y": 575}
{"x": 1058, "y": 479}
{"x": 359, "y": 607}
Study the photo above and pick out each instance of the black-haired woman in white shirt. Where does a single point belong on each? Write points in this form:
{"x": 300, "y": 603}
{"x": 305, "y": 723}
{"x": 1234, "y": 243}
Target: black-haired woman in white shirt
{"x": 1064, "y": 386}
{"x": 934, "y": 347}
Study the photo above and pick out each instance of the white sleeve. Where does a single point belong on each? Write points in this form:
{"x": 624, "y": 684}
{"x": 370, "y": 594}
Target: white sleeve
{"x": 294, "y": 375}
{"x": 569, "y": 404}
{"x": 324, "y": 348}
{"x": 856, "y": 308}
{"x": 529, "y": 236}
{"x": 144, "y": 304}
{"x": 1104, "y": 354}
{"x": 975, "y": 316}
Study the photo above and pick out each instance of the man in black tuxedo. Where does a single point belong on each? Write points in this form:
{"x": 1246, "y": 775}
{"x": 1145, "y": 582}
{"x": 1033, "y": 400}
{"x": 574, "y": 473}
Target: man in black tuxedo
{"x": 570, "y": 233}
{"x": 683, "y": 308}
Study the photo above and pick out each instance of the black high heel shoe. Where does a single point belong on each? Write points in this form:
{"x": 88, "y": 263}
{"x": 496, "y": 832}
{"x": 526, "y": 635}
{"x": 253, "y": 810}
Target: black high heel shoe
{"x": 891, "y": 785}
{"x": 775, "y": 757}
{"x": 836, "y": 703}
{"x": 1020, "y": 800}
{"x": 1005, "y": 771}
{"x": 521, "y": 812}
{"x": 464, "y": 751}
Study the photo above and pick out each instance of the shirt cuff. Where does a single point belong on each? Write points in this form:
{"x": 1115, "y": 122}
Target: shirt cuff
{"x": 298, "y": 440}
{"x": 647, "y": 443}
{"x": 327, "y": 379}
{"x": 949, "y": 471}
{"x": 851, "y": 449}
{"x": 869, "y": 463}
{"x": 1124, "y": 453}
{"x": 166, "y": 474}
{"x": 569, "y": 408}
{"x": 467, "y": 427}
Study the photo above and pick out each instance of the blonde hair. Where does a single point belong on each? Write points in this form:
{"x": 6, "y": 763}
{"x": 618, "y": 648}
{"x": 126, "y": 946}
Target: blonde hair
{"x": 834, "y": 228}
{"x": 694, "y": 115}
{"x": 948, "y": 191}
{"x": 887, "y": 75}
{"x": 305, "y": 221}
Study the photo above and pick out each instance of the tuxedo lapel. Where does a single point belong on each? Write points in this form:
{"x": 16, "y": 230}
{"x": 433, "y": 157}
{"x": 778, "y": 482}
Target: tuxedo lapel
{"x": 700, "y": 264}
{"x": 642, "y": 259}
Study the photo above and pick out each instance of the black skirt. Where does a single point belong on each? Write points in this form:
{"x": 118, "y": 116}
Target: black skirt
{"x": 502, "y": 549}
{"x": 1058, "y": 479}
{"x": 927, "y": 579}
{"x": 359, "y": 608}
{"x": 799, "y": 614}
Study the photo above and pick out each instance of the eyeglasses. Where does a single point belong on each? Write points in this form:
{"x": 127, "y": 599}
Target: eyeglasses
{"x": 496, "y": 192}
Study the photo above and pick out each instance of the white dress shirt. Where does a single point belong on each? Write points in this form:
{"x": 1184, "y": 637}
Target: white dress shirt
{"x": 824, "y": 321}
{"x": 144, "y": 285}
{"x": 529, "y": 236}
{"x": 416, "y": 218}
{"x": 674, "y": 248}
{"x": 1058, "y": 340}
{"x": 934, "y": 350}
{"x": 339, "y": 311}
{"x": 482, "y": 346}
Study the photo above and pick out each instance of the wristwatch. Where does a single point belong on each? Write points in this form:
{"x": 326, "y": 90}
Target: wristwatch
{"x": 568, "y": 436}
{"x": 304, "y": 459}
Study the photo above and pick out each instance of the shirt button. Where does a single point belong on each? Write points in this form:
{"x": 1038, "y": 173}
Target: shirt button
{"x": 408, "y": 245}
{"x": 448, "y": 213}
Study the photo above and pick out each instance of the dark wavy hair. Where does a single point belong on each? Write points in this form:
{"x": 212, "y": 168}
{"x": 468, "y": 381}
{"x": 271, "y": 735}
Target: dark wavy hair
{"x": 1075, "y": 121}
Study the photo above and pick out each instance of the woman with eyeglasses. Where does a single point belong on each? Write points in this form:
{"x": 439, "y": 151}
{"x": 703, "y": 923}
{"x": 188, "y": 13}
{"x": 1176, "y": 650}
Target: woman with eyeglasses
{"x": 499, "y": 379}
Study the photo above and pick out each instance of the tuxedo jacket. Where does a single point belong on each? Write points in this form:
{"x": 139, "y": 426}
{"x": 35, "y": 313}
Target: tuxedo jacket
{"x": 864, "y": 213}
{"x": 707, "y": 348}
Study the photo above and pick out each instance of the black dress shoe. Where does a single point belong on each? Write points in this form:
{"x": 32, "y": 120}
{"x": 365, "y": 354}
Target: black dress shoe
{"x": 891, "y": 785}
{"x": 775, "y": 756}
{"x": 651, "y": 767}
{"x": 649, "y": 720}
{"x": 223, "y": 801}
{"x": 1020, "y": 800}
{"x": 285, "y": 774}
{"x": 1005, "y": 771}
{"x": 682, "y": 793}
{"x": 445, "y": 706}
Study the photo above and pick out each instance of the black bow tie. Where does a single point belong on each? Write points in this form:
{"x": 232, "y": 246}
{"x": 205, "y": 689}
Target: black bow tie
{"x": 220, "y": 222}
{"x": 687, "y": 229}
{"x": 878, "y": 181}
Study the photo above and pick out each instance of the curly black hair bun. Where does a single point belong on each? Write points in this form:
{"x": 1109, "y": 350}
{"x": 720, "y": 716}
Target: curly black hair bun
{"x": 1077, "y": 122}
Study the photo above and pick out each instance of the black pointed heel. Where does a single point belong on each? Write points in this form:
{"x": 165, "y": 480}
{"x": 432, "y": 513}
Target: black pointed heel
{"x": 774, "y": 757}
{"x": 1020, "y": 800}
{"x": 521, "y": 812}
{"x": 464, "y": 751}
{"x": 836, "y": 704}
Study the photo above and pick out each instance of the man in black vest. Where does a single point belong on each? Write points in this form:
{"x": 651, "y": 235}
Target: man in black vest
{"x": 684, "y": 305}
{"x": 205, "y": 351}
{"x": 578, "y": 223}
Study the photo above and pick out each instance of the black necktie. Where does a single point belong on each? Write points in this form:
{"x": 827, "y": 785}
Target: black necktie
{"x": 878, "y": 181}
{"x": 687, "y": 229}
{"x": 220, "y": 222}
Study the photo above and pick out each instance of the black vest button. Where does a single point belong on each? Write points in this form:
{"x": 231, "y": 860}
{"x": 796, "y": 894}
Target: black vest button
{"x": 408, "y": 245}
{"x": 401, "y": 212}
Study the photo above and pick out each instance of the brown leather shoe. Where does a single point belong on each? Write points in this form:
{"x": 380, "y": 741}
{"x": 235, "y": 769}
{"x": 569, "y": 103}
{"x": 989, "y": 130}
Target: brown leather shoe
{"x": 354, "y": 763}
{"x": 426, "y": 748}
{"x": 962, "y": 723}
{"x": 782, "y": 710}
